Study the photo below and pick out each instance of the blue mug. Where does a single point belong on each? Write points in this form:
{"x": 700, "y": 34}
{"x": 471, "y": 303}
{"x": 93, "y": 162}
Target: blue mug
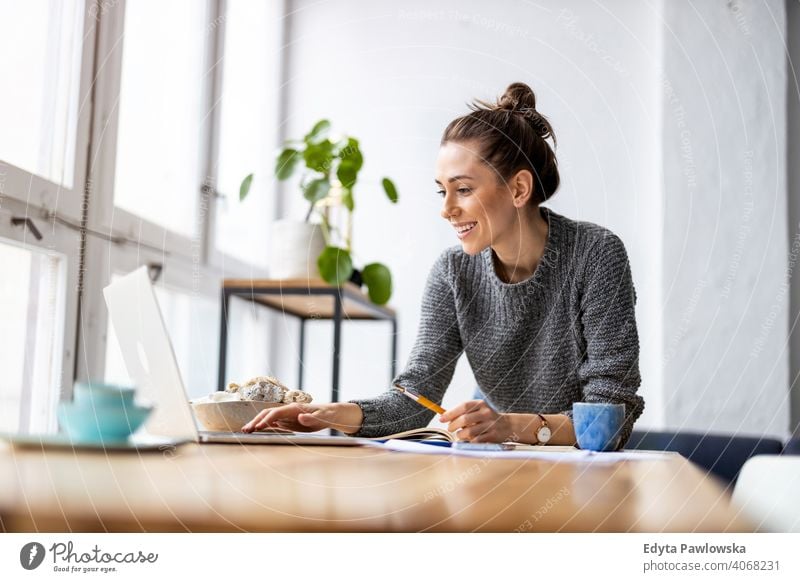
{"x": 598, "y": 425}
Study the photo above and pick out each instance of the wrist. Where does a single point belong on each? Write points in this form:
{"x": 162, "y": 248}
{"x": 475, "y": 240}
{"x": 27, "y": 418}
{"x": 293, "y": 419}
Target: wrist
{"x": 348, "y": 417}
{"x": 520, "y": 427}
{"x": 524, "y": 427}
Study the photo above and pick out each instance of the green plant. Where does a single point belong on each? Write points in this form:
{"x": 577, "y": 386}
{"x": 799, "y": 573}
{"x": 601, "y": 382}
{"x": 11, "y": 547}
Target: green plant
{"x": 328, "y": 178}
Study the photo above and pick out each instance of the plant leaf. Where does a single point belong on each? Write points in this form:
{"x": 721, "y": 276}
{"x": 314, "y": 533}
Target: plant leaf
{"x": 286, "y": 163}
{"x": 319, "y": 156}
{"x": 244, "y": 189}
{"x": 335, "y": 265}
{"x": 378, "y": 280}
{"x": 391, "y": 191}
{"x": 316, "y": 190}
{"x": 352, "y": 154}
{"x": 319, "y": 131}
{"x": 347, "y": 173}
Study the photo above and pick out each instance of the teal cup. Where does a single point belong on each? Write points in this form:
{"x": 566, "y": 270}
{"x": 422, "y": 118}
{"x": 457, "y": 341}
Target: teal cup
{"x": 598, "y": 425}
{"x": 102, "y": 394}
{"x": 101, "y": 413}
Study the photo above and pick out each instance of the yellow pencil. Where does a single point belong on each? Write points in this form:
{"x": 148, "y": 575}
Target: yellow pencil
{"x": 430, "y": 405}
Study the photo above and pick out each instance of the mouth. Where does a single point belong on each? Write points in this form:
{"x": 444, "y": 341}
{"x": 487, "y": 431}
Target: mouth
{"x": 464, "y": 229}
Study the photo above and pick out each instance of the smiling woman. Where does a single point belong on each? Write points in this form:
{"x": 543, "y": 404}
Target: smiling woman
{"x": 542, "y": 305}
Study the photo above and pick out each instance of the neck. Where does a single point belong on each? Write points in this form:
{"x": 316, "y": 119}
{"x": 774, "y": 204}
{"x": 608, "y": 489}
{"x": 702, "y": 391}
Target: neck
{"x": 519, "y": 251}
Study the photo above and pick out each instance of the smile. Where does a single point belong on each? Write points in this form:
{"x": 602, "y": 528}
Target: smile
{"x": 463, "y": 230}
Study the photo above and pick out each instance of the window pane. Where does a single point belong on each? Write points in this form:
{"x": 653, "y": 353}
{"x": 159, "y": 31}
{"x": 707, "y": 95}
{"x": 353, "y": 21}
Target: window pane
{"x": 40, "y": 52}
{"x": 161, "y": 117}
{"x": 31, "y": 309}
{"x": 248, "y": 127}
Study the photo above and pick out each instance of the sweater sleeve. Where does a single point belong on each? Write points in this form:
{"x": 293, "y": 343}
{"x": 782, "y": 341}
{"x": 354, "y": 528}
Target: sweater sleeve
{"x": 609, "y": 372}
{"x": 430, "y": 366}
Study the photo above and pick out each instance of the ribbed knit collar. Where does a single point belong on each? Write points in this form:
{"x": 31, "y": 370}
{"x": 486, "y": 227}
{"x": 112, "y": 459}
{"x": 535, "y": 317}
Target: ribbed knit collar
{"x": 546, "y": 263}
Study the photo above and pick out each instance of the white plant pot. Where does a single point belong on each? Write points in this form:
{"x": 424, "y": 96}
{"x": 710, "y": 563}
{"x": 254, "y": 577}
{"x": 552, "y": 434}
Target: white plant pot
{"x": 294, "y": 249}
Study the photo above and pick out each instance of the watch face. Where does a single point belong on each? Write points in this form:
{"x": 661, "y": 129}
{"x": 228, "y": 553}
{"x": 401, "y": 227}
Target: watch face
{"x": 543, "y": 434}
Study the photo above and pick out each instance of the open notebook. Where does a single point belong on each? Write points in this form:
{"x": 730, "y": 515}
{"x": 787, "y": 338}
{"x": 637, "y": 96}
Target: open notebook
{"x": 427, "y": 433}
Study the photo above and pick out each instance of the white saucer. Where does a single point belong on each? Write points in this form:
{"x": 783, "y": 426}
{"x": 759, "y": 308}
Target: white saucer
{"x": 62, "y": 441}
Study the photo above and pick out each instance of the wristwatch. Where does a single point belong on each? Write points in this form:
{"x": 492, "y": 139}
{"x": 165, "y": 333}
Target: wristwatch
{"x": 543, "y": 433}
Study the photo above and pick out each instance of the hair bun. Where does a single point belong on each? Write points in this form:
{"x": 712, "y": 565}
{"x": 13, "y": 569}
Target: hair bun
{"x": 517, "y": 97}
{"x": 520, "y": 99}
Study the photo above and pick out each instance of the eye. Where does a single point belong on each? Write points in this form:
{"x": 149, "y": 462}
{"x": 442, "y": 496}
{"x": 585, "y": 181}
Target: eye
{"x": 441, "y": 192}
{"x": 464, "y": 190}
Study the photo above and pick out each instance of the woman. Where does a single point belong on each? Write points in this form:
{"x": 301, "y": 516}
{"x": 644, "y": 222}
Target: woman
{"x": 542, "y": 305}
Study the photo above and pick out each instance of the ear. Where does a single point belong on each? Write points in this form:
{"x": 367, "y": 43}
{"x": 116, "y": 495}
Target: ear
{"x": 521, "y": 186}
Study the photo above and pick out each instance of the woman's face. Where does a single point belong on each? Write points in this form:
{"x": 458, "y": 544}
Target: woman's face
{"x": 475, "y": 201}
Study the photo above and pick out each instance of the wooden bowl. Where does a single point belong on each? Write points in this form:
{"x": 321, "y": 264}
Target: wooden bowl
{"x": 229, "y": 416}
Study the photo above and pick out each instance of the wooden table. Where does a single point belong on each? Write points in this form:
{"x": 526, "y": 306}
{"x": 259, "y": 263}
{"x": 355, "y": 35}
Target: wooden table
{"x": 306, "y": 299}
{"x": 292, "y": 488}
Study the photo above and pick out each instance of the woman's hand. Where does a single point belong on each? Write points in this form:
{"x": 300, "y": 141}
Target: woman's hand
{"x": 477, "y": 422}
{"x": 344, "y": 416}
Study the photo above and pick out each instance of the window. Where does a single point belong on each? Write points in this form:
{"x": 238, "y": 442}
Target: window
{"x": 162, "y": 119}
{"x": 32, "y": 296}
{"x": 40, "y": 57}
{"x": 142, "y": 131}
{"x": 46, "y": 52}
{"x": 248, "y": 128}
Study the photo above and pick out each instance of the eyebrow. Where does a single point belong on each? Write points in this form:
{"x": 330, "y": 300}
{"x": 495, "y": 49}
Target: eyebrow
{"x": 454, "y": 178}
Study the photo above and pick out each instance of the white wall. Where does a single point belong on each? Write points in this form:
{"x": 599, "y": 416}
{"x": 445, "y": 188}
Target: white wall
{"x": 621, "y": 82}
{"x": 725, "y": 215}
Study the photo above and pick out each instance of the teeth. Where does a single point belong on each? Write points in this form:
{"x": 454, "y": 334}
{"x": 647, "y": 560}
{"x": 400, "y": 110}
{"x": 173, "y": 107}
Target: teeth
{"x": 461, "y": 229}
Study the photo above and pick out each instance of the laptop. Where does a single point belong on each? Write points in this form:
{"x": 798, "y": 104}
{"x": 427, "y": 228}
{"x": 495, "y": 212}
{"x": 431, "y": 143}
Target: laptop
{"x": 150, "y": 361}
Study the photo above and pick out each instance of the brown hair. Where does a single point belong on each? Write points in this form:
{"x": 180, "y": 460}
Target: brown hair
{"x": 513, "y": 137}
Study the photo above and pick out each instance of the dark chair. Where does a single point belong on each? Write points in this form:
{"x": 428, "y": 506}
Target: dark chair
{"x": 721, "y": 454}
{"x": 792, "y": 447}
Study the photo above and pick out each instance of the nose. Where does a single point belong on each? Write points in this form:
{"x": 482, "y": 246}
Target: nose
{"x": 449, "y": 207}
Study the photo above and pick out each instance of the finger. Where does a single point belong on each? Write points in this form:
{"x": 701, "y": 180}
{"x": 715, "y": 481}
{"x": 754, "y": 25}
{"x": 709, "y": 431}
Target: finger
{"x": 289, "y": 411}
{"x": 286, "y": 413}
{"x": 258, "y": 420}
{"x": 268, "y": 422}
{"x": 460, "y": 409}
{"x": 250, "y": 426}
{"x": 452, "y": 413}
{"x": 477, "y": 433}
{"x": 257, "y": 423}
{"x": 478, "y": 408}
{"x": 468, "y": 419}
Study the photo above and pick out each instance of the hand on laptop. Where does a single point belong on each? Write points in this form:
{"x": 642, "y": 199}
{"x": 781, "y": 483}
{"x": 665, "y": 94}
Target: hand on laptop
{"x": 342, "y": 416}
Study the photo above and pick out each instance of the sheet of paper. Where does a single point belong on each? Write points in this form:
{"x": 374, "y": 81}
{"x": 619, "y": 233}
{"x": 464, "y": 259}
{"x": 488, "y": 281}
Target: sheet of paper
{"x": 570, "y": 456}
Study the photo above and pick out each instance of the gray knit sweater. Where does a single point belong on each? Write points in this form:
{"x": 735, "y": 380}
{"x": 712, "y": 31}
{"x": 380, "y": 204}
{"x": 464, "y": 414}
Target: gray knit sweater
{"x": 566, "y": 334}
